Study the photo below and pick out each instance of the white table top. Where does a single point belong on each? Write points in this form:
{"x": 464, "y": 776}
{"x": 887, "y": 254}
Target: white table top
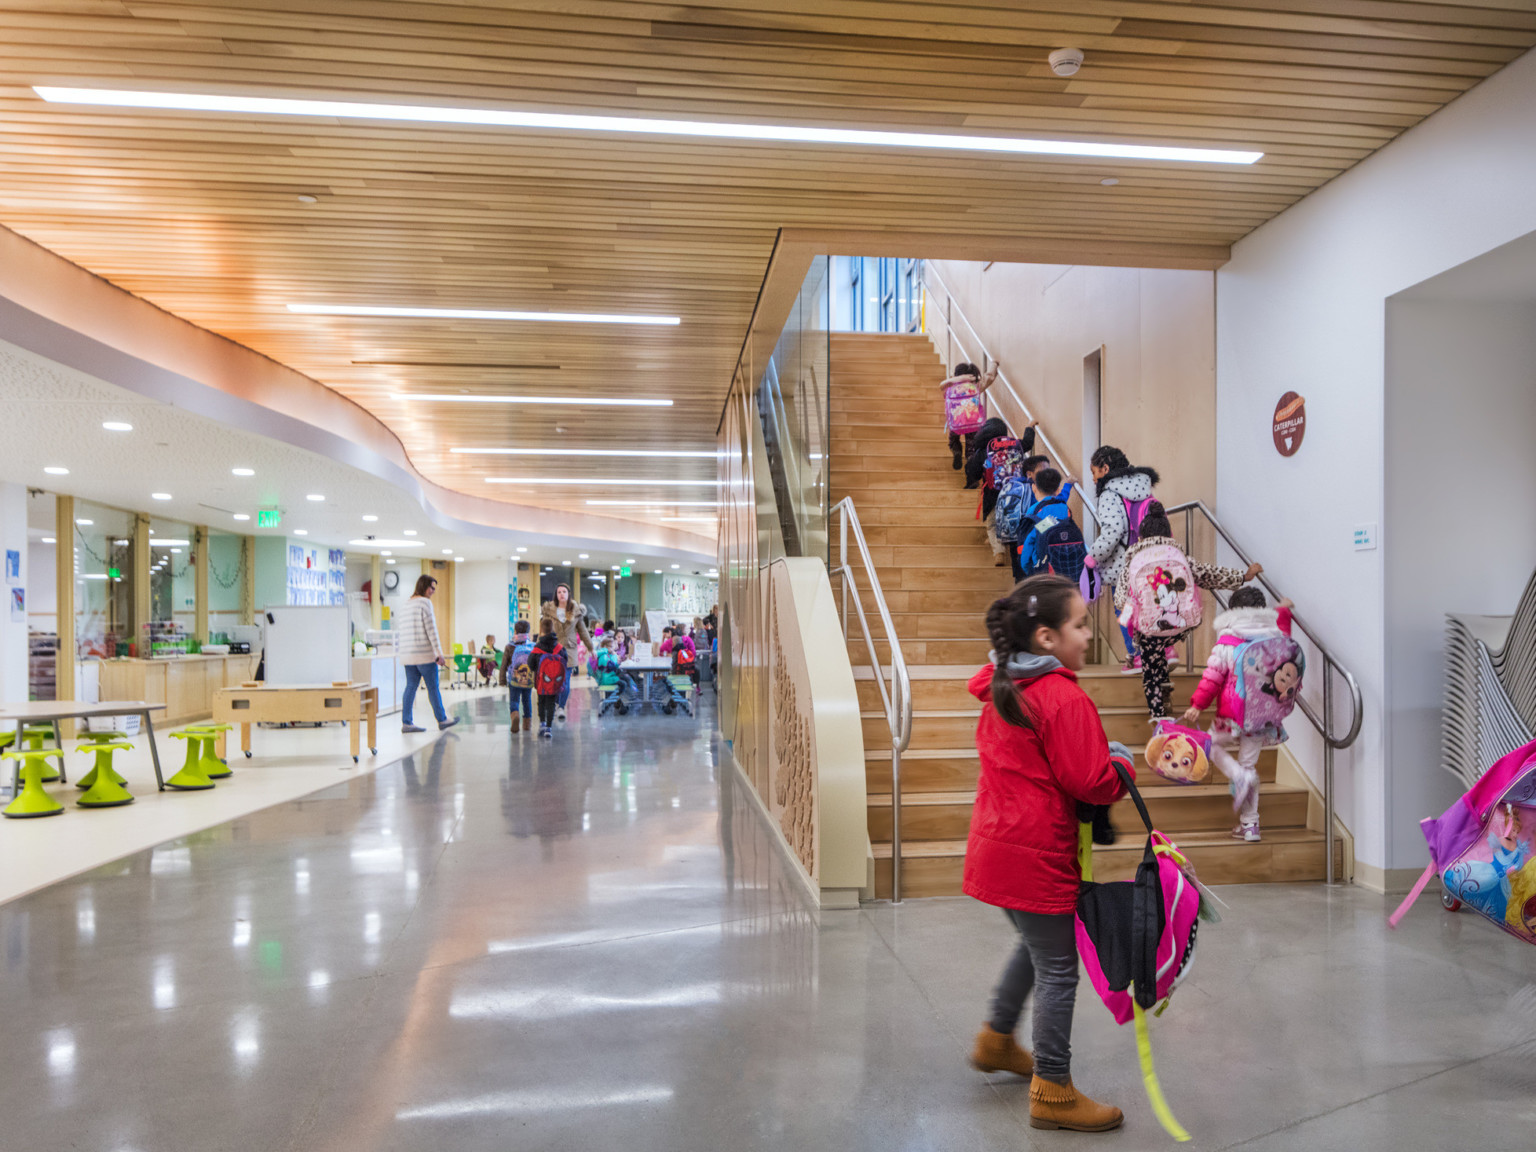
{"x": 38, "y": 710}
{"x": 650, "y": 664}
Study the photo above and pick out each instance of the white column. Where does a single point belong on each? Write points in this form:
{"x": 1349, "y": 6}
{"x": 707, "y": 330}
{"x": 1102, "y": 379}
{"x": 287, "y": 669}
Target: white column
{"x": 13, "y": 632}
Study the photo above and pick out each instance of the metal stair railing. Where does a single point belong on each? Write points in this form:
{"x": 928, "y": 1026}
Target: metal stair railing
{"x": 895, "y": 701}
{"x": 1324, "y": 722}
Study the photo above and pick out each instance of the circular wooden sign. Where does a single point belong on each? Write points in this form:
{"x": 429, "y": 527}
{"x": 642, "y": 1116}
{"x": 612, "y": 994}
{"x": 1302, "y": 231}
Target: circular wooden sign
{"x": 1290, "y": 423}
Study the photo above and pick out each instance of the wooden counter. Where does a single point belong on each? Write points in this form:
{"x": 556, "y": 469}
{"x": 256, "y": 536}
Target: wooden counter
{"x": 184, "y": 684}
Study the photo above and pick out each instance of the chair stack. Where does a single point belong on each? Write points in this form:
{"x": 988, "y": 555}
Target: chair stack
{"x": 1490, "y": 688}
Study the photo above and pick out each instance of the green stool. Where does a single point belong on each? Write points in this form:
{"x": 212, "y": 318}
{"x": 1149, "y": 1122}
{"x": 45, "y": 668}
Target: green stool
{"x": 208, "y": 760}
{"x": 31, "y": 800}
{"x": 88, "y": 781}
{"x": 106, "y": 788}
{"x": 191, "y": 778}
{"x": 33, "y": 736}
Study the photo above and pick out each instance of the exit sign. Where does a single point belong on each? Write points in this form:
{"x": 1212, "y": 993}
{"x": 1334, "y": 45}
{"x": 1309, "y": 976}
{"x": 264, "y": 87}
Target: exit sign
{"x": 624, "y": 572}
{"x": 268, "y": 518}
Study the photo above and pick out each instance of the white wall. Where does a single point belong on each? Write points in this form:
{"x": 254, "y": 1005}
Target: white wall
{"x": 1157, "y": 327}
{"x": 13, "y": 633}
{"x": 1460, "y": 531}
{"x": 1302, "y": 306}
{"x": 480, "y": 601}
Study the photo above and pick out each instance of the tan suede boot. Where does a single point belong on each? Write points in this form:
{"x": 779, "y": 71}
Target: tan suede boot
{"x": 996, "y": 1052}
{"x": 1053, "y": 1105}
{"x": 517, "y": 721}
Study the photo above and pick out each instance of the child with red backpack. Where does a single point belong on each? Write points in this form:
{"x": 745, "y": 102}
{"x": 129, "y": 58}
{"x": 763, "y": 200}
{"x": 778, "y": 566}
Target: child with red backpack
{"x": 1158, "y": 599}
{"x": 517, "y": 675}
{"x": 1044, "y": 758}
{"x": 549, "y": 662}
{"x": 1254, "y": 677}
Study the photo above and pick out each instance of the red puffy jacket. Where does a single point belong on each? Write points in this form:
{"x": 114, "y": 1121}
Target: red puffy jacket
{"x": 1022, "y": 851}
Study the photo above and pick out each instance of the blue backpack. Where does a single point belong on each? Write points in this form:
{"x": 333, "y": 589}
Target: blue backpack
{"x": 1055, "y": 543}
{"x": 1013, "y": 501}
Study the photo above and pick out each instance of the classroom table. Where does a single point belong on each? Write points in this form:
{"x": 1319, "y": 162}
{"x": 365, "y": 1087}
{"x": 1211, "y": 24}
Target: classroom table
{"x": 355, "y": 703}
{"x": 648, "y": 669}
{"x": 52, "y": 711}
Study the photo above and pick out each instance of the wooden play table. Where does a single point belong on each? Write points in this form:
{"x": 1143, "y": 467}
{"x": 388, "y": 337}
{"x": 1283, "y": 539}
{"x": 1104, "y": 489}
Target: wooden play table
{"x": 355, "y": 703}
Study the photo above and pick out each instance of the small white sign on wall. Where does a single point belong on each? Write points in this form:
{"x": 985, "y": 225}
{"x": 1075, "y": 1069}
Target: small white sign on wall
{"x": 1365, "y": 537}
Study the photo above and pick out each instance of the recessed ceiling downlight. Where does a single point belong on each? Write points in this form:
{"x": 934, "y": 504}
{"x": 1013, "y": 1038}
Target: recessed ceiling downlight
{"x": 116, "y": 426}
{"x": 650, "y": 126}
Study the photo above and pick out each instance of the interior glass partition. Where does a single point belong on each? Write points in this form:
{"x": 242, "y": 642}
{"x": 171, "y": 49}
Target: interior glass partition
{"x": 103, "y": 565}
{"x": 226, "y": 583}
{"x": 793, "y": 401}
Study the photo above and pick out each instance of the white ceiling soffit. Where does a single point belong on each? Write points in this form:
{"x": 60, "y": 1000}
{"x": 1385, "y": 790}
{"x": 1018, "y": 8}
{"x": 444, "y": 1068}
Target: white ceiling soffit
{"x": 61, "y": 287}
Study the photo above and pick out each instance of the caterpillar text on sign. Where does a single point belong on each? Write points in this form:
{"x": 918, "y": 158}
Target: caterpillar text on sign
{"x": 1290, "y": 423}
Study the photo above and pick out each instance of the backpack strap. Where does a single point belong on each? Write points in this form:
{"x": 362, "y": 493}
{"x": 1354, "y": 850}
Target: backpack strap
{"x": 1155, "y": 1097}
{"x": 1413, "y": 894}
{"x": 1130, "y": 787}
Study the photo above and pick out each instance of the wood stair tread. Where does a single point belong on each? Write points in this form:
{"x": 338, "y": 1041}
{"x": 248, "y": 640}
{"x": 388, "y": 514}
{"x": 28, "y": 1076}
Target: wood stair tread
{"x": 1266, "y": 788}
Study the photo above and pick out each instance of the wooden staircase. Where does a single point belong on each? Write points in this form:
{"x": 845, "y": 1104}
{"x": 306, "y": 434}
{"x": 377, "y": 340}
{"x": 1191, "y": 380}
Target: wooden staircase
{"x": 888, "y": 452}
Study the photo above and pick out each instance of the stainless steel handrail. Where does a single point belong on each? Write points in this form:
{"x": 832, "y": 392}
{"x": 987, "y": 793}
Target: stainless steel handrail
{"x": 1323, "y": 723}
{"x": 953, "y": 312}
{"x": 897, "y": 701}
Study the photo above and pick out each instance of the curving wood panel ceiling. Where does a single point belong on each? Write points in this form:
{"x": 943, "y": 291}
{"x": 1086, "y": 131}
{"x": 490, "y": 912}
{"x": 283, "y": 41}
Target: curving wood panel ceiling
{"x": 225, "y": 219}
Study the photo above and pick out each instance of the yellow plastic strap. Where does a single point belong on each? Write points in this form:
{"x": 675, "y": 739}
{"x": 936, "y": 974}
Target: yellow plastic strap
{"x": 1160, "y": 1107}
{"x": 1085, "y": 851}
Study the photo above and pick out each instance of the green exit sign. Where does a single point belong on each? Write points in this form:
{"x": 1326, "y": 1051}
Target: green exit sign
{"x": 115, "y": 573}
{"x": 268, "y": 518}
{"x": 624, "y": 572}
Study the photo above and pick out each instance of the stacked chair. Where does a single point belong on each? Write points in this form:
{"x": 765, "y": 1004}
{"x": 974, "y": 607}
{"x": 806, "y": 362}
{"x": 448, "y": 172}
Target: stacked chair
{"x": 1490, "y": 688}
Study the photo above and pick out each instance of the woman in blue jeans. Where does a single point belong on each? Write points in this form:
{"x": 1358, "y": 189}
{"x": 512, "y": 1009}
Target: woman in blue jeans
{"x": 418, "y": 648}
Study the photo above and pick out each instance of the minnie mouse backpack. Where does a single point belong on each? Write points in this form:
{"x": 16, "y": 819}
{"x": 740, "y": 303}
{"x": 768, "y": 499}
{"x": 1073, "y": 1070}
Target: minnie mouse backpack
{"x": 1162, "y": 599}
{"x": 1136, "y": 939}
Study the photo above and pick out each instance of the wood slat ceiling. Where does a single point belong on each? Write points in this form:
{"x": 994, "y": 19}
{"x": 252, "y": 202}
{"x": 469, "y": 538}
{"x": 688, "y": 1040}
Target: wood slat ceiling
{"x": 200, "y": 212}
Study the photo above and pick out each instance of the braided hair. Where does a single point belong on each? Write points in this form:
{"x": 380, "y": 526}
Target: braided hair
{"x": 1036, "y": 602}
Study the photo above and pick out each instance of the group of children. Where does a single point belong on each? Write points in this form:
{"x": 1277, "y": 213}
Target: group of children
{"x": 1045, "y": 762}
{"x": 537, "y": 668}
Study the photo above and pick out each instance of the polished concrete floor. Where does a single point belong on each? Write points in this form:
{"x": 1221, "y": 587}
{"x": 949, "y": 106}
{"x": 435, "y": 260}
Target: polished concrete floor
{"x": 503, "y": 943}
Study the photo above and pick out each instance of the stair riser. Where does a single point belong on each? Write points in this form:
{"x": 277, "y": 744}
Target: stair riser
{"x": 916, "y": 651}
{"x": 935, "y": 579}
{"x": 952, "y": 694}
{"x": 948, "y": 536}
{"x": 922, "y": 822}
{"x": 959, "y": 773}
{"x": 1174, "y": 811}
{"x": 1236, "y": 863}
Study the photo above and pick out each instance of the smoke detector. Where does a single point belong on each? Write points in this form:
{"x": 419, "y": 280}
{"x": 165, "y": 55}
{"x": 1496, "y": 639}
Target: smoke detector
{"x": 1066, "y": 61}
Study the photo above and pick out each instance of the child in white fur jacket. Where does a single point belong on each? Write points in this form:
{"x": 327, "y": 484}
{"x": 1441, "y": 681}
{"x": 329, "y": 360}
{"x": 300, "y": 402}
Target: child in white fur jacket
{"x": 1246, "y": 619}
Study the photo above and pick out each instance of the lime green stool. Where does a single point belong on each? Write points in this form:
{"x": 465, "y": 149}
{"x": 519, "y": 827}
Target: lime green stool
{"x": 33, "y": 736}
{"x": 31, "y": 800}
{"x": 208, "y": 759}
{"x": 191, "y": 778}
{"x": 106, "y": 789}
{"x": 88, "y": 781}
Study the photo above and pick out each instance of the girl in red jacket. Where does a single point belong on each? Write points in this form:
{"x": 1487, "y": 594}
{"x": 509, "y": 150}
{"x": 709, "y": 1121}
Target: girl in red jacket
{"x": 1043, "y": 757}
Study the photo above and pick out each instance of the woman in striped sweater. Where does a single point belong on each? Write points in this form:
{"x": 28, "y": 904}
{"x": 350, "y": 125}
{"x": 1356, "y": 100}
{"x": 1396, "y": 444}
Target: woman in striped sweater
{"x": 419, "y": 650}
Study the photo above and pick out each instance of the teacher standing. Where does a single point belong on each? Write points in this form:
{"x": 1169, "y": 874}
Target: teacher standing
{"x": 419, "y": 650}
{"x": 567, "y": 618}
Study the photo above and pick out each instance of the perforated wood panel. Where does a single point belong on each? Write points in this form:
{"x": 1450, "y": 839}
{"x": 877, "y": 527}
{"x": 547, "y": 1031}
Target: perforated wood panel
{"x": 201, "y": 213}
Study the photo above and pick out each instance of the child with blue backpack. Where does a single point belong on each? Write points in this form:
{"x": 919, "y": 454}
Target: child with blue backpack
{"x": 1237, "y": 728}
{"x": 1006, "y": 502}
{"x": 518, "y": 677}
{"x": 1054, "y": 542}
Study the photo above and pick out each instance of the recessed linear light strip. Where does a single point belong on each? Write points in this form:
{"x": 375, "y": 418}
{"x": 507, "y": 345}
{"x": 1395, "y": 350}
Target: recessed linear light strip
{"x": 478, "y": 314}
{"x": 444, "y": 398}
{"x": 560, "y": 121}
{"x": 630, "y": 481}
{"x": 638, "y": 453}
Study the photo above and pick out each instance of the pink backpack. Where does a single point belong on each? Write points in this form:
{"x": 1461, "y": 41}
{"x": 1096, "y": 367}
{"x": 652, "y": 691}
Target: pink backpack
{"x": 1484, "y": 848}
{"x": 1264, "y": 684}
{"x": 963, "y": 408}
{"x": 1140, "y": 935}
{"x": 1161, "y": 598}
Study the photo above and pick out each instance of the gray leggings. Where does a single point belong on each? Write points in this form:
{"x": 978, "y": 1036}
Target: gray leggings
{"x": 1045, "y": 960}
